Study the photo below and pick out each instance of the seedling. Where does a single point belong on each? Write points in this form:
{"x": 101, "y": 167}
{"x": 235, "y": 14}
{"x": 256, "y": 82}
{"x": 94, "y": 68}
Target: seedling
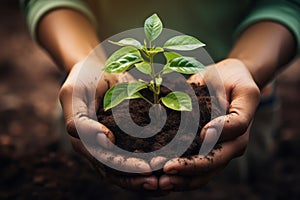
{"x": 134, "y": 54}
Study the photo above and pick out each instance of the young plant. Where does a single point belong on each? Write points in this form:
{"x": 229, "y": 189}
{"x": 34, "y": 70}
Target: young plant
{"x": 134, "y": 54}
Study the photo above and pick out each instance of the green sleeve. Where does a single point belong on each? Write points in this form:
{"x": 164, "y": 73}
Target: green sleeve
{"x": 34, "y": 10}
{"x": 285, "y": 12}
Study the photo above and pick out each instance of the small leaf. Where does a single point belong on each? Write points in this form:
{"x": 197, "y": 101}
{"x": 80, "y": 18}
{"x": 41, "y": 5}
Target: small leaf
{"x": 178, "y": 101}
{"x": 158, "y": 81}
{"x": 171, "y": 55}
{"x": 186, "y": 65}
{"x": 155, "y": 51}
{"x": 153, "y": 27}
{"x": 134, "y": 87}
{"x": 136, "y": 95}
{"x": 122, "y": 60}
{"x": 116, "y": 94}
{"x": 144, "y": 67}
{"x": 128, "y": 42}
{"x": 167, "y": 69}
{"x": 183, "y": 43}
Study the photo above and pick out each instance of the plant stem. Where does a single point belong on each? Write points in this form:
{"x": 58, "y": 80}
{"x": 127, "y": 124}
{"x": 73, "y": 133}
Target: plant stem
{"x": 153, "y": 77}
{"x": 147, "y": 100}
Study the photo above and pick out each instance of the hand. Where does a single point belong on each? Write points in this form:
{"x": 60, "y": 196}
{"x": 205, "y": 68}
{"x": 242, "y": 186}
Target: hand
{"x": 141, "y": 182}
{"x": 242, "y": 98}
{"x": 80, "y": 97}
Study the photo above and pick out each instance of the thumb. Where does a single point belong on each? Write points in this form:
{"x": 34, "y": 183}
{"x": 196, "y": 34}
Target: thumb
{"x": 240, "y": 114}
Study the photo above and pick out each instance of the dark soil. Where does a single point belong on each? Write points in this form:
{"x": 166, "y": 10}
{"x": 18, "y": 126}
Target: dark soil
{"x": 139, "y": 111}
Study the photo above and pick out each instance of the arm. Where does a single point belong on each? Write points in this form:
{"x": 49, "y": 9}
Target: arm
{"x": 259, "y": 52}
{"x": 264, "y": 48}
{"x": 68, "y": 36}
{"x": 268, "y": 38}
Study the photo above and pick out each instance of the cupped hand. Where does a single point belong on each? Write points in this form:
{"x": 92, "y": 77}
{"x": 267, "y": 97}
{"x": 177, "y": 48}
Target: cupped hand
{"x": 80, "y": 97}
{"x": 231, "y": 130}
{"x": 135, "y": 182}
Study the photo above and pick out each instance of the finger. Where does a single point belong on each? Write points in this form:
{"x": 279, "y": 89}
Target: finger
{"x": 77, "y": 97}
{"x": 147, "y": 186}
{"x": 157, "y": 163}
{"x": 136, "y": 182}
{"x": 98, "y": 157}
{"x": 79, "y": 148}
{"x": 119, "y": 162}
{"x": 185, "y": 183}
{"x": 197, "y": 79}
{"x": 200, "y": 164}
{"x": 242, "y": 96}
{"x": 240, "y": 114}
{"x": 106, "y": 82}
{"x": 125, "y": 77}
{"x": 78, "y": 122}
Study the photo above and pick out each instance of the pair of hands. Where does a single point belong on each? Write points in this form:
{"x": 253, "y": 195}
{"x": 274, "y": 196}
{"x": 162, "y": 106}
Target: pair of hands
{"x": 242, "y": 98}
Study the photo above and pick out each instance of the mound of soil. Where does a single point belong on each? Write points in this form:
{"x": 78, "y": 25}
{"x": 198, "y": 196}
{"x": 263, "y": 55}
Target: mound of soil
{"x": 139, "y": 111}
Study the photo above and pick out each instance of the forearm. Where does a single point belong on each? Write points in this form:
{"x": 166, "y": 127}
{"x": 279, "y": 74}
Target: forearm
{"x": 264, "y": 47}
{"x": 67, "y": 35}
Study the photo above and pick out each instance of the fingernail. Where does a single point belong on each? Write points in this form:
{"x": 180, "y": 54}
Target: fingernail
{"x": 211, "y": 135}
{"x": 103, "y": 140}
{"x": 169, "y": 166}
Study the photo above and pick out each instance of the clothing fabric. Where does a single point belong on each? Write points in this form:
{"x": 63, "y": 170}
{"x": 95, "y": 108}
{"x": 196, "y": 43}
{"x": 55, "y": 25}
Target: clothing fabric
{"x": 214, "y": 25}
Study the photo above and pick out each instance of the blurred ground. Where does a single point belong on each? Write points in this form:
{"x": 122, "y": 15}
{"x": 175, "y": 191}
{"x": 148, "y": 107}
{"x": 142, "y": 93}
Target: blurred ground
{"x": 34, "y": 166}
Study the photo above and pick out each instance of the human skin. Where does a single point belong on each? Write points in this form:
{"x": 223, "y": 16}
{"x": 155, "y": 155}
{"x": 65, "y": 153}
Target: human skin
{"x": 257, "y": 55}
{"x": 261, "y": 50}
{"x": 69, "y": 37}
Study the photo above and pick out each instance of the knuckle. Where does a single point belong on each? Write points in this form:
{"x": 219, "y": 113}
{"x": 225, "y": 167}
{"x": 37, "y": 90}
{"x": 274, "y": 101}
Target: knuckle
{"x": 255, "y": 91}
{"x": 65, "y": 90}
{"x": 238, "y": 123}
{"x": 71, "y": 129}
{"x": 241, "y": 152}
{"x": 243, "y": 124}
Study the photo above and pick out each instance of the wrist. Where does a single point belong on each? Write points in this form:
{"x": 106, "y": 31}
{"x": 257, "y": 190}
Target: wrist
{"x": 68, "y": 36}
{"x": 264, "y": 48}
{"x": 260, "y": 72}
{"x": 246, "y": 67}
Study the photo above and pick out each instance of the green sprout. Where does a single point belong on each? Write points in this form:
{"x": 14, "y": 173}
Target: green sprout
{"x": 134, "y": 54}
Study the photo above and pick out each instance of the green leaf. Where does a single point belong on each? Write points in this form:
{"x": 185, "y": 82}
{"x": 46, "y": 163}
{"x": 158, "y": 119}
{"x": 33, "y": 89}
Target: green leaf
{"x": 155, "y": 51}
{"x": 158, "y": 81}
{"x": 128, "y": 42}
{"x": 135, "y": 96}
{"x": 122, "y": 60}
{"x": 144, "y": 67}
{"x": 116, "y": 94}
{"x": 167, "y": 69}
{"x": 178, "y": 101}
{"x": 183, "y": 43}
{"x": 171, "y": 55}
{"x": 134, "y": 87}
{"x": 153, "y": 27}
{"x": 186, "y": 65}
